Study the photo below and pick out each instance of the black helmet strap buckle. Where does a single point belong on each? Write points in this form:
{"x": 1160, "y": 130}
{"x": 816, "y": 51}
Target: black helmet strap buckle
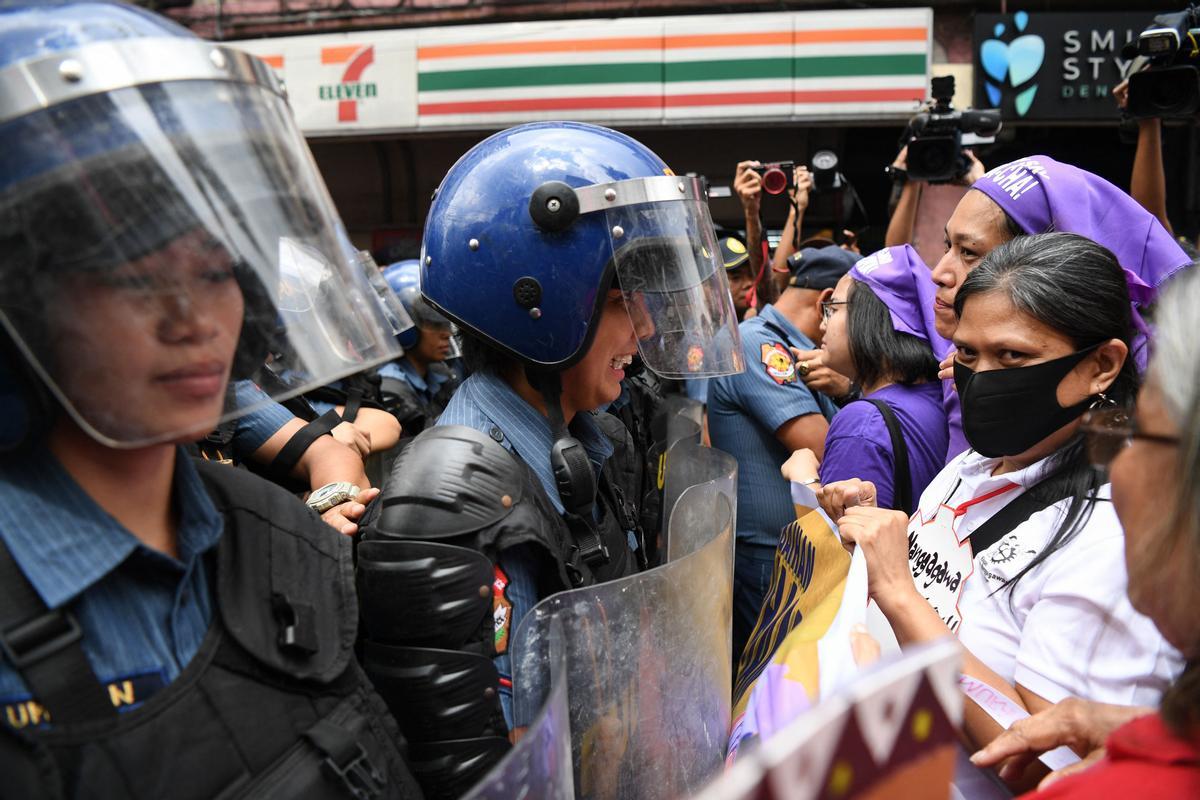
{"x": 573, "y": 475}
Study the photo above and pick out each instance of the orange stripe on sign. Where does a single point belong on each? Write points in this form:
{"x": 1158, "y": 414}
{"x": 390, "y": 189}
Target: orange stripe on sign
{"x": 541, "y": 104}
{"x": 670, "y": 42}
{"x": 339, "y": 55}
{"x": 555, "y": 46}
{"x": 863, "y": 35}
{"x": 273, "y": 61}
{"x": 729, "y": 39}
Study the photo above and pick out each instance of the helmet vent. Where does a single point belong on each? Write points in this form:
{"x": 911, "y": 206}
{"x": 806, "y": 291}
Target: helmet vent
{"x": 527, "y": 292}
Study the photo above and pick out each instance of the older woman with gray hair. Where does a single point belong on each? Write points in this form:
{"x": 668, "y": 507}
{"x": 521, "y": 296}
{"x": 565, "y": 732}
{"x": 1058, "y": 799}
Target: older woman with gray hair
{"x": 1153, "y": 458}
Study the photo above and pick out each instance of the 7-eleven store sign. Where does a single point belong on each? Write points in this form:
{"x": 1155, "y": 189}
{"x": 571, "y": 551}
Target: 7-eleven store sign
{"x": 351, "y": 88}
{"x": 339, "y": 84}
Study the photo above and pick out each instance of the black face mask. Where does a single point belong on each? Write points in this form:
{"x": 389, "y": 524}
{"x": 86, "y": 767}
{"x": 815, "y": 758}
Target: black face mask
{"x": 1007, "y": 411}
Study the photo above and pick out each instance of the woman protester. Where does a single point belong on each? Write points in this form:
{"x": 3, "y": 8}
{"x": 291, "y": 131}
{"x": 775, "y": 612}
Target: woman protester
{"x": 879, "y": 331}
{"x": 1015, "y": 546}
{"x": 1154, "y": 462}
{"x": 1038, "y": 195}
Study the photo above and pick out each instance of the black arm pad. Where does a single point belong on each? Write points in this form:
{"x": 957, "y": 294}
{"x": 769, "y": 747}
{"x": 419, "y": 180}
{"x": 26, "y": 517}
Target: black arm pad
{"x": 290, "y": 455}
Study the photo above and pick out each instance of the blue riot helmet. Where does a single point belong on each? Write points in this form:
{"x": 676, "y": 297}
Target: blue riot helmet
{"x": 405, "y": 279}
{"x": 148, "y": 180}
{"x": 532, "y": 226}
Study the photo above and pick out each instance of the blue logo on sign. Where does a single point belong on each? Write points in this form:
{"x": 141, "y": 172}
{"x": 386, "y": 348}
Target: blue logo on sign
{"x": 1014, "y": 63}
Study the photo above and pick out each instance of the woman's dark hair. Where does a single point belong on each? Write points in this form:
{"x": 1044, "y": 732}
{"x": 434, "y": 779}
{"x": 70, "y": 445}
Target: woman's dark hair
{"x": 1077, "y": 287}
{"x": 1011, "y": 229}
{"x": 877, "y": 349}
{"x": 480, "y": 356}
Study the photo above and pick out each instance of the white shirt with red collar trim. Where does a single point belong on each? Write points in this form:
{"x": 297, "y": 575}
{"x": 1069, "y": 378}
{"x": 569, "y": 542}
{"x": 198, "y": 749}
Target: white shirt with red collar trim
{"x": 1066, "y": 628}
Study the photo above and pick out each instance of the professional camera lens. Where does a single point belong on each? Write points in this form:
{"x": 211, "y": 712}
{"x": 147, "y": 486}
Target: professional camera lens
{"x": 774, "y": 180}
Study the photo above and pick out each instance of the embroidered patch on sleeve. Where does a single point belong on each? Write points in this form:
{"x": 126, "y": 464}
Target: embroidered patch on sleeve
{"x": 501, "y": 610}
{"x": 780, "y": 365}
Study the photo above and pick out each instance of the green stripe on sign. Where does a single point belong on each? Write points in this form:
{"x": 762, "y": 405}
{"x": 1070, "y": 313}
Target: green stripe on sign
{"x": 729, "y": 70}
{"x": 547, "y": 75}
{"x": 847, "y": 66}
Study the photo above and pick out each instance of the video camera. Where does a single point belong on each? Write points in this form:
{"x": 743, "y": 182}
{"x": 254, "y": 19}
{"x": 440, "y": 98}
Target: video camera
{"x": 1165, "y": 75}
{"x": 777, "y": 176}
{"x": 935, "y": 136}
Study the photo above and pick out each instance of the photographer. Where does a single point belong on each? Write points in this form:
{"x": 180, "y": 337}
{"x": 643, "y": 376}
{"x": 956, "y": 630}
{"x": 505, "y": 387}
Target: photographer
{"x": 748, "y": 183}
{"x": 1148, "y": 183}
{"x": 904, "y": 215}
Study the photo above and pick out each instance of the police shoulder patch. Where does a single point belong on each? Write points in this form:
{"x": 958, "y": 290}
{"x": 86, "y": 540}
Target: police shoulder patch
{"x": 779, "y": 363}
{"x": 501, "y": 610}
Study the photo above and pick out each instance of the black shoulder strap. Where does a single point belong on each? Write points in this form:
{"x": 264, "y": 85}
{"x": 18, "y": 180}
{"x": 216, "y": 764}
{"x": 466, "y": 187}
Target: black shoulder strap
{"x": 46, "y": 647}
{"x": 778, "y": 331}
{"x": 902, "y": 499}
{"x": 1034, "y": 499}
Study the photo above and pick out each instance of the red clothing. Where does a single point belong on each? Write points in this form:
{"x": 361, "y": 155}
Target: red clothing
{"x": 1144, "y": 760}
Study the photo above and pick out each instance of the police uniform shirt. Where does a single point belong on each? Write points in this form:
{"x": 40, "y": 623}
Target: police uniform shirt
{"x": 488, "y": 404}
{"x": 744, "y": 411}
{"x": 143, "y": 613}
{"x": 252, "y": 430}
{"x": 427, "y": 387}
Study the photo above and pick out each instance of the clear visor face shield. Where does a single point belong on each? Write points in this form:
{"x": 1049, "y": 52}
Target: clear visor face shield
{"x": 669, "y": 267}
{"x": 393, "y": 310}
{"x": 445, "y": 340}
{"x": 177, "y": 234}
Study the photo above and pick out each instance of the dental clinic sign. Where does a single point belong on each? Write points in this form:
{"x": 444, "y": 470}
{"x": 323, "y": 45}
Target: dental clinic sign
{"x": 1052, "y": 66}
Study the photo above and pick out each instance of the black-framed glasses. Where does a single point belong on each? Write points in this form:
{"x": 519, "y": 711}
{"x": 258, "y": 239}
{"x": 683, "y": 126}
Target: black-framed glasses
{"x": 827, "y": 307}
{"x": 1111, "y": 430}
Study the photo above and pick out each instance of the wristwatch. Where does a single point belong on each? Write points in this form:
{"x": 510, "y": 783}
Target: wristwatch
{"x": 330, "y": 495}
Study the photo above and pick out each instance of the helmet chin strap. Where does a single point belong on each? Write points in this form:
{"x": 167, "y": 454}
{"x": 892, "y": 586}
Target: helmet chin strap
{"x": 573, "y": 475}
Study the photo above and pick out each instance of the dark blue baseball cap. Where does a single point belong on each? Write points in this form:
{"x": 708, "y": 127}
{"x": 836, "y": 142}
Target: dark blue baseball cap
{"x": 819, "y": 267}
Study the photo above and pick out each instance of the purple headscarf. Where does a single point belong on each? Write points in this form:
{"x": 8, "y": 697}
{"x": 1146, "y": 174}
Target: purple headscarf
{"x": 1043, "y": 195}
{"x": 901, "y": 280}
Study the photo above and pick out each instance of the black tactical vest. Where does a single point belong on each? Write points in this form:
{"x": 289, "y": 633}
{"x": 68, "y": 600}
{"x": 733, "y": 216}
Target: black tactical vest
{"x": 274, "y": 704}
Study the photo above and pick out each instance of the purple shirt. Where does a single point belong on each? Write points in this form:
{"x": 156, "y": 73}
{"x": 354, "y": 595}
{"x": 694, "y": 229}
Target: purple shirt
{"x": 858, "y": 444}
{"x": 958, "y": 439}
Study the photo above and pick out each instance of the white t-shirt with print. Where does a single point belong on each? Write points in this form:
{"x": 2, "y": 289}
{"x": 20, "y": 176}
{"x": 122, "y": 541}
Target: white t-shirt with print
{"x": 1068, "y": 628}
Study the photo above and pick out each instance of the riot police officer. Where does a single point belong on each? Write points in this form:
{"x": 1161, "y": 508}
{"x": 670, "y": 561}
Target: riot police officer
{"x": 417, "y": 386}
{"x": 168, "y": 627}
{"x": 561, "y": 250}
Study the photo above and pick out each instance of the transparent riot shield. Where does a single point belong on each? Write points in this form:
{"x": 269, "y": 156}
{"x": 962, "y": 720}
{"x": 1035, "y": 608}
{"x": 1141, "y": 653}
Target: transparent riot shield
{"x": 648, "y": 656}
{"x": 539, "y": 765}
{"x": 676, "y": 420}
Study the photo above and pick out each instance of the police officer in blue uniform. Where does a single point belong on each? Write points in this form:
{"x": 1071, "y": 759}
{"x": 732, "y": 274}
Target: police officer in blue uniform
{"x": 168, "y": 627}
{"x": 765, "y": 413}
{"x": 561, "y": 250}
{"x": 417, "y": 387}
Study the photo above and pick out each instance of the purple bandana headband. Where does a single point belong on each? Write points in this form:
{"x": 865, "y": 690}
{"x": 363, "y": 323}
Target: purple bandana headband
{"x": 901, "y": 280}
{"x": 1043, "y": 195}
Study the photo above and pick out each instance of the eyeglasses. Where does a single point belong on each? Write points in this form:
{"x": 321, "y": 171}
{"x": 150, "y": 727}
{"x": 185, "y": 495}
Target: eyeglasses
{"x": 827, "y": 307}
{"x": 1111, "y": 430}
